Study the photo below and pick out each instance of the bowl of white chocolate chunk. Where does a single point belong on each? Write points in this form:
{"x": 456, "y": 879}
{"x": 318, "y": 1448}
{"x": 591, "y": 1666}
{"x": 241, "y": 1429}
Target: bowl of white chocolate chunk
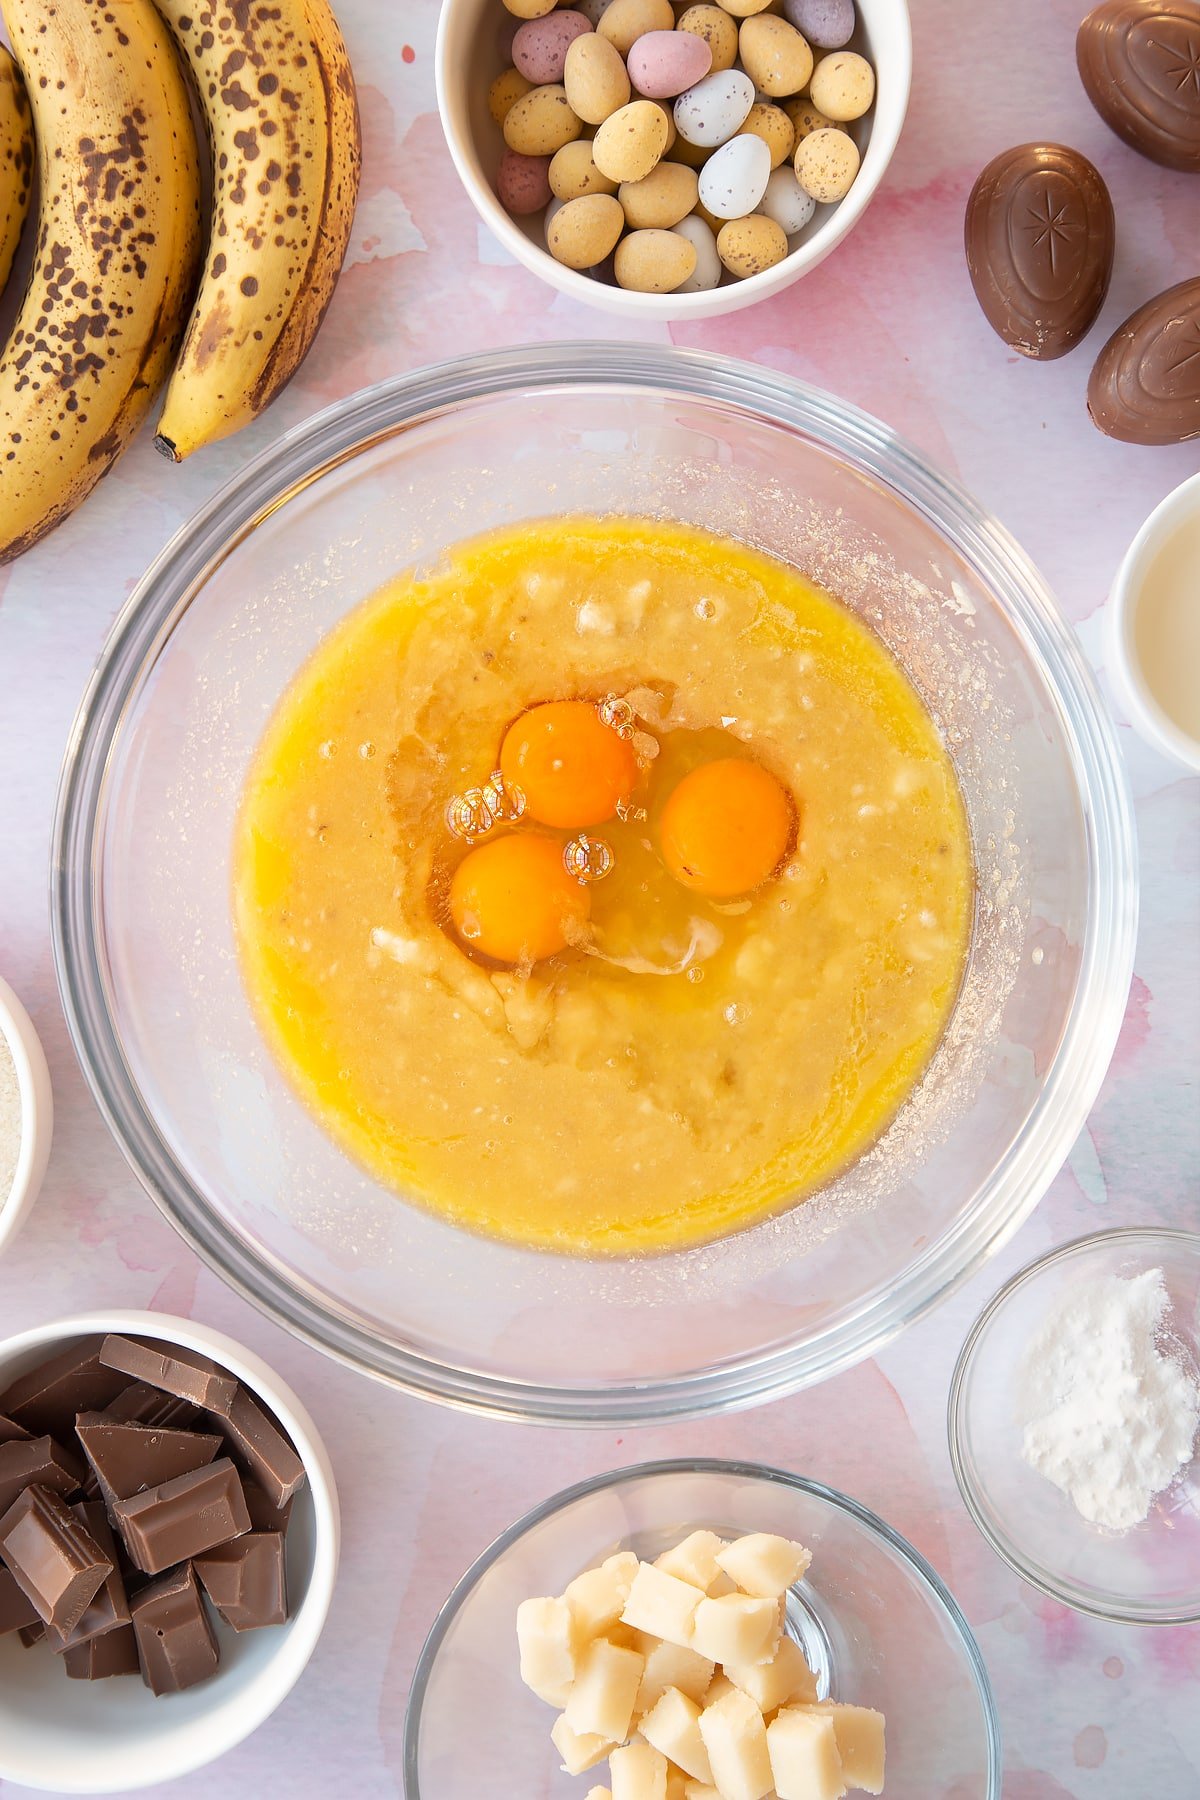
{"x": 1074, "y": 1423}
{"x": 701, "y": 1630}
{"x": 672, "y": 162}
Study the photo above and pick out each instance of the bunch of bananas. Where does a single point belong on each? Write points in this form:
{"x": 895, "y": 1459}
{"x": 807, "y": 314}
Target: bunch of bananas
{"x": 123, "y": 293}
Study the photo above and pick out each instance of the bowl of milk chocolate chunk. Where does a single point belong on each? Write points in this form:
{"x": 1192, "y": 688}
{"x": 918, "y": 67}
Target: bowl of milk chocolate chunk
{"x": 168, "y": 1548}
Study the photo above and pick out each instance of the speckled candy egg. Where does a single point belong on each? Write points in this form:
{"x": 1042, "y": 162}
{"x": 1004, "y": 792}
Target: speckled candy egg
{"x": 523, "y": 183}
{"x": 664, "y": 63}
{"x": 664, "y": 197}
{"x": 843, "y": 85}
{"x": 573, "y": 172}
{"x": 540, "y": 45}
{"x": 774, "y": 55}
{"x": 625, "y": 21}
{"x": 505, "y": 91}
{"x": 541, "y": 122}
{"x": 713, "y": 110}
{"x": 734, "y": 179}
{"x": 595, "y": 78}
{"x": 627, "y": 145}
{"x": 772, "y": 125}
{"x": 707, "y": 272}
{"x": 653, "y": 262}
{"x": 785, "y": 201}
{"x": 826, "y": 164}
{"x": 827, "y": 24}
{"x": 583, "y": 232}
{"x": 748, "y": 246}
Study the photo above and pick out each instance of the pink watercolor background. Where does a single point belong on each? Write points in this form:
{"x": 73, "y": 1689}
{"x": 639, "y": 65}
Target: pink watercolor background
{"x": 1089, "y": 1712}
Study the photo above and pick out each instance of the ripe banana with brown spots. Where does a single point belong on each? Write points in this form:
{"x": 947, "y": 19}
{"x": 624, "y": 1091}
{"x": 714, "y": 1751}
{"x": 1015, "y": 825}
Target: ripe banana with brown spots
{"x": 117, "y": 250}
{"x": 278, "y": 95}
{"x": 16, "y": 161}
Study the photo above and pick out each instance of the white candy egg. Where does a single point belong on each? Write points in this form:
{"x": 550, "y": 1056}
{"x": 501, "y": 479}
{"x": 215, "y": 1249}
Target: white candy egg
{"x": 710, "y": 112}
{"x": 785, "y": 201}
{"x": 734, "y": 179}
{"x": 707, "y": 273}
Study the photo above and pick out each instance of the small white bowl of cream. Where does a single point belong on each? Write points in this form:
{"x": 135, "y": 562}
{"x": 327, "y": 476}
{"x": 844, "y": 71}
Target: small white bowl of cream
{"x": 1154, "y": 627}
{"x": 26, "y": 1114}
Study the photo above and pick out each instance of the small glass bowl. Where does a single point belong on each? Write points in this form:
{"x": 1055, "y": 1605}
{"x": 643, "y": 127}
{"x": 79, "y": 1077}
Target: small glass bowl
{"x": 1148, "y": 1575}
{"x": 875, "y": 1623}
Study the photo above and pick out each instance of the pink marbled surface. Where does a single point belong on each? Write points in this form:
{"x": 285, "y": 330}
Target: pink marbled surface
{"x": 1090, "y": 1712}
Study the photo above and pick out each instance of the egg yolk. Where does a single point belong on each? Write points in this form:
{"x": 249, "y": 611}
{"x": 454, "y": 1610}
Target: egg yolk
{"x": 572, "y": 768}
{"x": 513, "y": 899}
{"x": 725, "y": 828}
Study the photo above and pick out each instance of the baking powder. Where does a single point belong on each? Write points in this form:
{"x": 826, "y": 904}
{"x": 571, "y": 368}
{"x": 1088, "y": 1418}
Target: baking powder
{"x": 1111, "y": 1410}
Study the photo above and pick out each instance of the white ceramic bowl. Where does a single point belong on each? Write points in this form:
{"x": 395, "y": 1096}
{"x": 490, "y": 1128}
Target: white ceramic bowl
{"x": 37, "y": 1112}
{"x": 468, "y": 58}
{"x": 108, "y": 1737}
{"x": 1146, "y": 714}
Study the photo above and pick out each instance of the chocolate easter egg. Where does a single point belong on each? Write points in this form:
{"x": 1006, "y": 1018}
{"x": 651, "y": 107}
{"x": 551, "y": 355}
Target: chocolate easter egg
{"x": 1139, "y": 61}
{"x": 1039, "y": 239}
{"x": 1145, "y": 387}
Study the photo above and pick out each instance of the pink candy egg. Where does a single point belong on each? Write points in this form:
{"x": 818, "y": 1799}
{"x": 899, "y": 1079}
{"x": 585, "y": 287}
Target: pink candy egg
{"x": 663, "y": 63}
{"x": 540, "y": 46}
{"x": 523, "y": 182}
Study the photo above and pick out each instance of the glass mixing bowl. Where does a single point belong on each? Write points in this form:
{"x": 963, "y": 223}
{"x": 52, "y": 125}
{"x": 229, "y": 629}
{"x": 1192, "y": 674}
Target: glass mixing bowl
{"x": 142, "y": 919}
{"x": 875, "y": 1623}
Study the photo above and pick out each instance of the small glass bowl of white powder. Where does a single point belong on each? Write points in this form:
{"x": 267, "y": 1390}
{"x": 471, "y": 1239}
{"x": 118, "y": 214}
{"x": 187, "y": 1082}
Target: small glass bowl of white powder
{"x": 1075, "y": 1425}
{"x": 26, "y": 1113}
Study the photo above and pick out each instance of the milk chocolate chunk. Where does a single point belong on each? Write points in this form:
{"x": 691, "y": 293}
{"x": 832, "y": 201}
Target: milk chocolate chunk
{"x": 183, "y": 1518}
{"x": 115, "y": 1653}
{"x": 1139, "y": 61}
{"x": 16, "y": 1608}
{"x": 24, "y": 1461}
{"x": 1039, "y": 239}
{"x": 46, "y": 1399}
{"x": 258, "y": 1443}
{"x": 264, "y": 1514}
{"x": 32, "y": 1634}
{"x": 52, "y": 1557}
{"x": 110, "y": 1608}
{"x": 1145, "y": 386}
{"x": 127, "y": 1459}
{"x": 175, "y": 1640}
{"x": 184, "y": 1373}
{"x": 10, "y": 1430}
{"x": 246, "y": 1580}
{"x": 141, "y": 1404}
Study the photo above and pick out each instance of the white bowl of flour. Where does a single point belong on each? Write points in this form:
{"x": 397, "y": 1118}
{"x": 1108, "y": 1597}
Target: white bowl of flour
{"x": 26, "y": 1114}
{"x": 1075, "y": 1425}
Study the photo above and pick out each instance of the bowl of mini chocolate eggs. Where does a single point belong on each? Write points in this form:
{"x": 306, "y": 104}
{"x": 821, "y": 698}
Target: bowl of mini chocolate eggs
{"x": 670, "y": 161}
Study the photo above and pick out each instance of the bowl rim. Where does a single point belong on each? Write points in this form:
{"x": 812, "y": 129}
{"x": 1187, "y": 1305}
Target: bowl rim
{"x": 696, "y": 1465}
{"x": 956, "y": 1409}
{"x": 292, "y": 1654}
{"x": 712, "y": 302}
{"x": 1148, "y": 717}
{"x": 329, "y": 439}
{"x": 36, "y": 1098}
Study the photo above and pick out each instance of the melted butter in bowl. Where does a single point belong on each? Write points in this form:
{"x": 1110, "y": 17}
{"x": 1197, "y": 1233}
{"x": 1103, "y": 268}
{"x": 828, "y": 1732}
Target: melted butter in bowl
{"x": 687, "y": 1063}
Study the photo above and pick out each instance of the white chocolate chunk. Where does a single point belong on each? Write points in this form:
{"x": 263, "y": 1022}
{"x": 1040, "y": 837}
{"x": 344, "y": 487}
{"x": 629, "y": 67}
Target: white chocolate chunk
{"x": 804, "y": 1756}
{"x": 764, "y": 1565}
{"x": 718, "y": 1687}
{"x": 700, "y": 1790}
{"x": 670, "y": 1666}
{"x": 638, "y": 1772}
{"x": 737, "y": 1628}
{"x": 694, "y": 1560}
{"x": 578, "y": 1753}
{"x": 546, "y": 1640}
{"x": 859, "y": 1731}
{"x": 673, "y": 1726}
{"x": 662, "y": 1604}
{"x": 736, "y": 1740}
{"x": 597, "y": 1596}
{"x": 770, "y": 1685}
{"x": 606, "y": 1682}
{"x": 677, "y": 1783}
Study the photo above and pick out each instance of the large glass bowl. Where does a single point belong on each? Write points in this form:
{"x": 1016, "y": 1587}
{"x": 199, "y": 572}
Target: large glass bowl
{"x": 875, "y": 1624}
{"x": 141, "y": 882}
